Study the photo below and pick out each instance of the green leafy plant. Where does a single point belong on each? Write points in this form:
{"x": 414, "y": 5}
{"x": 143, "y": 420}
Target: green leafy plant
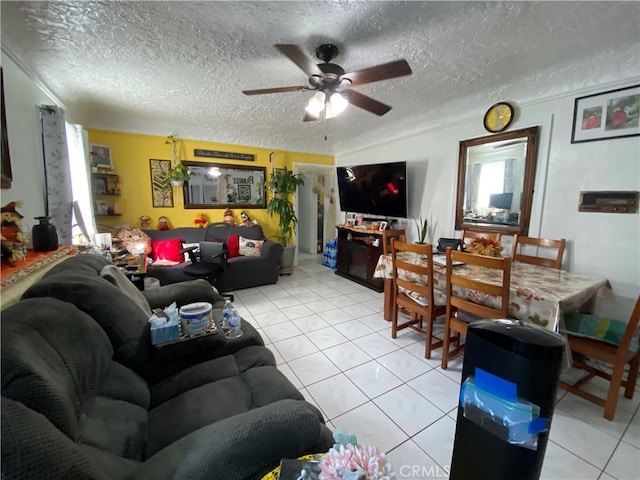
{"x": 283, "y": 184}
{"x": 178, "y": 171}
{"x": 422, "y": 226}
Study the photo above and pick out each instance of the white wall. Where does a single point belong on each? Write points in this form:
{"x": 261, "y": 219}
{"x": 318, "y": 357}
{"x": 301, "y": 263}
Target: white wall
{"x": 598, "y": 243}
{"x": 22, "y": 97}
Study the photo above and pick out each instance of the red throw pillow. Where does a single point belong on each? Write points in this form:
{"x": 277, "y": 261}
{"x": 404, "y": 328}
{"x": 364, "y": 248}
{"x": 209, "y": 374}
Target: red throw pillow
{"x": 234, "y": 246}
{"x": 168, "y": 250}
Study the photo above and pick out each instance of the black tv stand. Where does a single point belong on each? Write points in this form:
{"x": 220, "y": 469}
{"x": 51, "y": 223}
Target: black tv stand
{"x": 358, "y": 252}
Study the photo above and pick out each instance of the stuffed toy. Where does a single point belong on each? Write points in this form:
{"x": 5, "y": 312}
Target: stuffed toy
{"x": 145, "y": 222}
{"x": 13, "y": 239}
{"x": 246, "y": 220}
{"x": 163, "y": 223}
{"x": 201, "y": 220}
{"x": 228, "y": 217}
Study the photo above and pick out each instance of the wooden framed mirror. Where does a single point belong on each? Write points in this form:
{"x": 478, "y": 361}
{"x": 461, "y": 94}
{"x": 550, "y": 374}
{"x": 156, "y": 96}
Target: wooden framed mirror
{"x": 496, "y": 174}
{"x": 219, "y": 185}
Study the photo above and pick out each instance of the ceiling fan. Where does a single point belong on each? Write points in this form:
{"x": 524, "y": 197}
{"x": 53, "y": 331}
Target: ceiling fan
{"x": 333, "y": 84}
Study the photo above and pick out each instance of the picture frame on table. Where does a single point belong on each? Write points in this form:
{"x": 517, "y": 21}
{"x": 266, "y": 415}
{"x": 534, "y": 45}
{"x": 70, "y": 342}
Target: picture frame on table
{"x": 383, "y": 226}
{"x": 607, "y": 115}
{"x": 100, "y": 156}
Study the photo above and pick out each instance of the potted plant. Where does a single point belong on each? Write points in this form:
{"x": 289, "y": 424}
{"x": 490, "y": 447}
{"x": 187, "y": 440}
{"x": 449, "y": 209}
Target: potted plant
{"x": 283, "y": 184}
{"x": 178, "y": 173}
{"x": 422, "y": 226}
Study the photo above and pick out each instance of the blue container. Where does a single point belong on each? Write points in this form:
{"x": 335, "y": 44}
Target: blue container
{"x": 167, "y": 332}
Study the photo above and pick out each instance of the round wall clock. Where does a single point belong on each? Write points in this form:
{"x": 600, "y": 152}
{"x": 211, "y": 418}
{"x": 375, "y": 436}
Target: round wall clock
{"x": 498, "y": 117}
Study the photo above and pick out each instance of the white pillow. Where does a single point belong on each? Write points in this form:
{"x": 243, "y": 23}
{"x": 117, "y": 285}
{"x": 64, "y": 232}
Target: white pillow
{"x": 250, "y": 248}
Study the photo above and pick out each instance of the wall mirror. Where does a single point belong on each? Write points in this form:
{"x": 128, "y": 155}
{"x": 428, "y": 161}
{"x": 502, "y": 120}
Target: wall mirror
{"x": 496, "y": 174}
{"x": 218, "y": 185}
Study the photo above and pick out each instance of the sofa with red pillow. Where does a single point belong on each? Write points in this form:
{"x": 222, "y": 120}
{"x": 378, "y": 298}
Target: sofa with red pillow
{"x": 252, "y": 260}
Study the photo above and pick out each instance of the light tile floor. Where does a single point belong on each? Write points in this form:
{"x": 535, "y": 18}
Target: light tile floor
{"x": 330, "y": 339}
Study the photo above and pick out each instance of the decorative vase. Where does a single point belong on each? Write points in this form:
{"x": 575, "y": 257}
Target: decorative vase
{"x": 44, "y": 235}
{"x": 177, "y": 183}
{"x": 287, "y": 258}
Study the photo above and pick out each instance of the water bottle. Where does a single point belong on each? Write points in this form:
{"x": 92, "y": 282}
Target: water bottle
{"x": 227, "y": 312}
{"x": 231, "y": 320}
{"x": 234, "y": 325}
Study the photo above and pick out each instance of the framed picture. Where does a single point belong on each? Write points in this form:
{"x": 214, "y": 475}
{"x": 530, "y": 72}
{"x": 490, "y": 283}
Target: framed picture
{"x": 99, "y": 186}
{"x": 382, "y": 226}
{"x": 161, "y": 190}
{"x": 100, "y": 156}
{"x": 102, "y": 207}
{"x": 607, "y": 115}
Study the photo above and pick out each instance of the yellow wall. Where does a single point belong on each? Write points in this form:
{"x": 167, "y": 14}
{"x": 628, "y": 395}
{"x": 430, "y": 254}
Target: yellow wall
{"x": 131, "y": 154}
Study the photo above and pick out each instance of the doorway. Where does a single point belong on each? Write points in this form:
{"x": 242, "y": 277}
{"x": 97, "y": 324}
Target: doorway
{"x": 315, "y": 208}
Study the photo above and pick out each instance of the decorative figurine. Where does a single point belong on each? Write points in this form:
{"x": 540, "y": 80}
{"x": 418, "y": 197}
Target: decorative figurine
{"x": 201, "y": 220}
{"x": 228, "y": 217}
{"x": 13, "y": 239}
{"x": 145, "y": 222}
{"x": 163, "y": 223}
{"x": 246, "y": 220}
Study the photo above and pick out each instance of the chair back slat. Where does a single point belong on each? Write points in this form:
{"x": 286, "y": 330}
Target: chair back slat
{"x": 499, "y": 288}
{"x": 546, "y": 243}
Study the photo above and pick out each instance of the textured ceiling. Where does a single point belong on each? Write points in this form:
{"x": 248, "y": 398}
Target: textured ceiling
{"x": 179, "y": 67}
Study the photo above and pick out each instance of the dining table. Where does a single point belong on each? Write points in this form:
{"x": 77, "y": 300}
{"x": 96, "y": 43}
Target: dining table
{"x": 538, "y": 295}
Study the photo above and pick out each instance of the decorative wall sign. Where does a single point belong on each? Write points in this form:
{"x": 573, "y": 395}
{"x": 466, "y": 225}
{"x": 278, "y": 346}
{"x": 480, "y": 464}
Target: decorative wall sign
{"x": 612, "y": 114}
{"x": 161, "y": 190}
{"x": 228, "y": 155}
{"x": 218, "y": 185}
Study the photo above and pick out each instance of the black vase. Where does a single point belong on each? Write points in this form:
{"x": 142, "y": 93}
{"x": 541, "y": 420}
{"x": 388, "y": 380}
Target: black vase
{"x": 44, "y": 236}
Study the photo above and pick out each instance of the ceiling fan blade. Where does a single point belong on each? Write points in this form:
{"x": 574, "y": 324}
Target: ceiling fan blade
{"x": 274, "y": 90}
{"x": 298, "y": 57}
{"x": 366, "y": 103}
{"x": 398, "y": 68}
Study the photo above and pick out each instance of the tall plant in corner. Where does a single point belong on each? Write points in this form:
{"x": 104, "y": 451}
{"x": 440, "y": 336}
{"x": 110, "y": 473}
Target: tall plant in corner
{"x": 283, "y": 184}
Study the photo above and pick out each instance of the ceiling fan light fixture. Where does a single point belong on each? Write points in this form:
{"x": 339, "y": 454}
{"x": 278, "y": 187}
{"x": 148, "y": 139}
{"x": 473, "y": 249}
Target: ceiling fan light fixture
{"x": 335, "y": 105}
{"x": 316, "y": 104}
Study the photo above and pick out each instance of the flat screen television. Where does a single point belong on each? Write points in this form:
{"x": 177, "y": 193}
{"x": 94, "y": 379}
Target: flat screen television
{"x": 501, "y": 200}
{"x": 377, "y": 189}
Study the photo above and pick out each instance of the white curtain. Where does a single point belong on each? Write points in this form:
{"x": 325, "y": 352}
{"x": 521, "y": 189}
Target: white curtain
{"x": 83, "y": 216}
{"x": 58, "y": 195}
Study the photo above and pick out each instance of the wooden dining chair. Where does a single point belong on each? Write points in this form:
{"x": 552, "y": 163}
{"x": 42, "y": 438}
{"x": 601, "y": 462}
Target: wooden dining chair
{"x": 388, "y": 236}
{"x": 618, "y": 351}
{"x": 471, "y": 235}
{"x": 461, "y": 310}
{"x": 545, "y": 244}
{"x": 412, "y": 292}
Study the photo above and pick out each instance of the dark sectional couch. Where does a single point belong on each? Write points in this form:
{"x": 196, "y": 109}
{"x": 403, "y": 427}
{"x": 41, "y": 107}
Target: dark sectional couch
{"x": 86, "y": 396}
{"x": 243, "y": 271}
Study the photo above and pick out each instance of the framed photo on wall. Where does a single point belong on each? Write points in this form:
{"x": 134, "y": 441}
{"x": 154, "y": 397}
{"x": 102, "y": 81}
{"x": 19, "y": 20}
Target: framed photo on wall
{"x": 100, "y": 156}
{"x": 607, "y": 115}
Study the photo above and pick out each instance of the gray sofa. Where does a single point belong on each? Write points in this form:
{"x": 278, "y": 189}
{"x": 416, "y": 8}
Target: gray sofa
{"x": 85, "y": 395}
{"x": 243, "y": 271}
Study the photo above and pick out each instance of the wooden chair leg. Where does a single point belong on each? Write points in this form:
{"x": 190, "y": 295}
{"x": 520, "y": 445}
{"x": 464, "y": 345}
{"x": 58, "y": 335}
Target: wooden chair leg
{"x": 614, "y": 391}
{"x": 445, "y": 346}
{"x": 427, "y": 352}
{"x": 632, "y": 378}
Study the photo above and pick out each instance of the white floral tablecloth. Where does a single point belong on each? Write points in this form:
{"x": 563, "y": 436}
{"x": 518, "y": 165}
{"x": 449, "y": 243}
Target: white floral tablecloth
{"x": 538, "y": 294}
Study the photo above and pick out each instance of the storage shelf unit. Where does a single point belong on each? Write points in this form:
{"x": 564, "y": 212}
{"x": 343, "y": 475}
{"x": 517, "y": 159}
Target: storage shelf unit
{"x": 358, "y": 254}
